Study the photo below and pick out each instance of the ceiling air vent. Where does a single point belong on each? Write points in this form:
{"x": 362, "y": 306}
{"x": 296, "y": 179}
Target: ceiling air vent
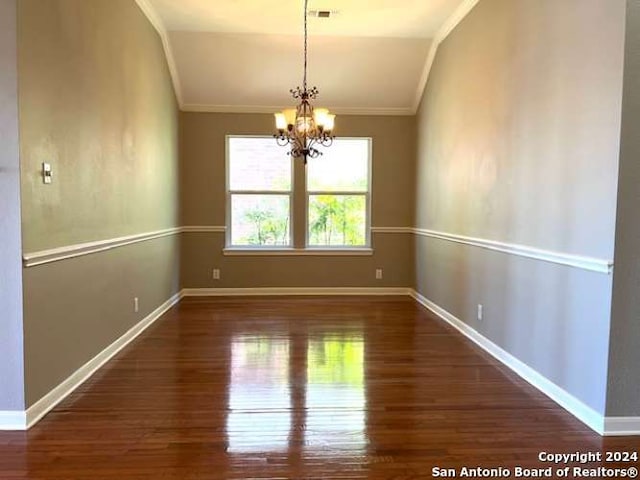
{"x": 323, "y": 13}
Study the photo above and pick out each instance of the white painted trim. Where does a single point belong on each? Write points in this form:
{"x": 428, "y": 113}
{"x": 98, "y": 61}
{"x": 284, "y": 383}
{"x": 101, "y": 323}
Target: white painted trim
{"x": 621, "y": 426}
{"x": 80, "y": 249}
{"x": 458, "y": 15}
{"x": 452, "y": 22}
{"x": 77, "y": 250}
{"x": 13, "y": 420}
{"x": 72, "y": 251}
{"x": 158, "y": 24}
{"x": 611, "y": 426}
{"x": 391, "y": 230}
{"x": 202, "y": 108}
{"x": 582, "y": 412}
{"x": 424, "y": 77}
{"x": 275, "y": 291}
{"x": 59, "y": 393}
{"x": 203, "y": 229}
{"x": 586, "y": 263}
{"x": 267, "y": 109}
{"x": 296, "y": 252}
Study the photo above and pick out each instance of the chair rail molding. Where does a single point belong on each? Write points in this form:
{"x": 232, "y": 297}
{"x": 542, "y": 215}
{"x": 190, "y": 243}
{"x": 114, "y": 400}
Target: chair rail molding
{"x": 80, "y": 249}
{"x": 567, "y": 259}
{"x": 43, "y": 257}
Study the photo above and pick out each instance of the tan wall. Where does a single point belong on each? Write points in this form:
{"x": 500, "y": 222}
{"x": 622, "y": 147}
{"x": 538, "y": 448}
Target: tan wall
{"x": 518, "y": 139}
{"x": 203, "y": 203}
{"x": 11, "y": 336}
{"x": 75, "y": 308}
{"x": 96, "y": 101}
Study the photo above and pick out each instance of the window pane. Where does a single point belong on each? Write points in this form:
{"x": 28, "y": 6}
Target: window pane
{"x": 260, "y": 220}
{"x": 343, "y": 167}
{"x": 337, "y": 220}
{"x": 258, "y": 164}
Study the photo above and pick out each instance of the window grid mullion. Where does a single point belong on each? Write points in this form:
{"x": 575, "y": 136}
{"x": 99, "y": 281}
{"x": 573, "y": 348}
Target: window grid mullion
{"x": 295, "y": 192}
{"x": 260, "y": 192}
{"x": 319, "y": 192}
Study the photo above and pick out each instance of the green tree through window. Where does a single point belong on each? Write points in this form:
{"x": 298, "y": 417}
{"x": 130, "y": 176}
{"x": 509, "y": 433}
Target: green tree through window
{"x": 260, "y": 193}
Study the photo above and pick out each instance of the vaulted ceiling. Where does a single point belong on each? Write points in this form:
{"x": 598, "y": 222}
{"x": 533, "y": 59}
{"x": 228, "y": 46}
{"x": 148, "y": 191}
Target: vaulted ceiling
{"x": 370, "y": 56}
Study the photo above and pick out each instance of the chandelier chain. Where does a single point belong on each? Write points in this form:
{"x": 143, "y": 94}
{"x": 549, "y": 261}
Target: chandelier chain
{"x": 311, "y": 128}
{"x": 305, "y": 45}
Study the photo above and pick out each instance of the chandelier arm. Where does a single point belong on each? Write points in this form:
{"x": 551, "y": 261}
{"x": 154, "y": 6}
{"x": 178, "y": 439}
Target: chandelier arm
{"x": 282, "y": 140}
{"x": 314, "y": 153}
{"x": 327, "y": 141}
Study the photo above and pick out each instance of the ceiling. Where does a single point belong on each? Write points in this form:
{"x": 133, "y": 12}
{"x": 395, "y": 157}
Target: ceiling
{"x": 245, "y": 55}
{"x": 361, "y": 18}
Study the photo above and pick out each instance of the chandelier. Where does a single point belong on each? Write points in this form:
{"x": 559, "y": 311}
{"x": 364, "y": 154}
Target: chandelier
{"x": 305, "y": 127}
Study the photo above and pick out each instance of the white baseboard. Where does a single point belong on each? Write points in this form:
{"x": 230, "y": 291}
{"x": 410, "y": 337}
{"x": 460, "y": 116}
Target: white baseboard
{"x": 584, "y": 413}
{"x": 13, "y": 420}
{"x": 59, "y": 393}
{"x": 610, "y": 426}
{"x": 621, "y": 426}
{"x": 272, "y": 291}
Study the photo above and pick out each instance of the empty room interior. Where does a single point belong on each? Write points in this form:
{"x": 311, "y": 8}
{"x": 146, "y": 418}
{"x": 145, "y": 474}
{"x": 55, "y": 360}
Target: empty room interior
{"x": 319, "y": 239}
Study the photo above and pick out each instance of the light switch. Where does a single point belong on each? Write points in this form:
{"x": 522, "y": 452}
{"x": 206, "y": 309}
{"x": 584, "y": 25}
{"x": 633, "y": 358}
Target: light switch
{"x": 47, "y": 174}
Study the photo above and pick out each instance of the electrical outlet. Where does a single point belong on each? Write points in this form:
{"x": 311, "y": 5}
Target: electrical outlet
{"x": 136, "y": 305}
{"x": 480, "y": 311}
{"x": 216, "y": 274}
{"x": 378, "y": 274}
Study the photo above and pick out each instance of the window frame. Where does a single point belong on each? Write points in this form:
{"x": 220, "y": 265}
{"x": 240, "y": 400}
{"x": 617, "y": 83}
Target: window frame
{"x": 367, "y": 194}
{"x": 295, "y": 191}
{"x": 229, "y": 194}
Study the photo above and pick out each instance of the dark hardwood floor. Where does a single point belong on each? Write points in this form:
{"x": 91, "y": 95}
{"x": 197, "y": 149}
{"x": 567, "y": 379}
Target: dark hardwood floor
{"x": 323, "y": 388}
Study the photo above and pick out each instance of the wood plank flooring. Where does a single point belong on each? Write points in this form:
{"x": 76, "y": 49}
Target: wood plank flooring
{"x": 314, "y": 388}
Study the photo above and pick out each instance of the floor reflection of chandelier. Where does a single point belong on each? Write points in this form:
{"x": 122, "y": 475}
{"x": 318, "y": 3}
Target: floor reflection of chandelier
{"x": 305, "y": 127}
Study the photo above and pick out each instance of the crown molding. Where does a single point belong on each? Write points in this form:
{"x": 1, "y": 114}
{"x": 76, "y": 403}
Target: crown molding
{"x": 452, "y": 22}
{"x": 158, "y": 24}
{"x": 388, "y": 111}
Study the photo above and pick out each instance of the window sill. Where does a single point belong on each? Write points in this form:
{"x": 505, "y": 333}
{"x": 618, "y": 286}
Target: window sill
{"x": 298, "y": 252}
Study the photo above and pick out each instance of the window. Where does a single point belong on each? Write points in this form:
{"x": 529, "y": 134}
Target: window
{"x": 259, "y": 195}
{"x": 338, "y": 195}
{"x": 261, "y": 191}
